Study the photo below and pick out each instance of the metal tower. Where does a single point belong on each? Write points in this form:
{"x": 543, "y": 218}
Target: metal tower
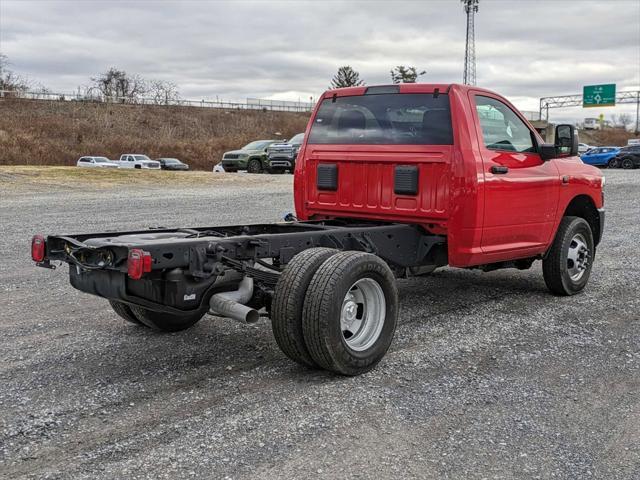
{"x": 470, "y": 8}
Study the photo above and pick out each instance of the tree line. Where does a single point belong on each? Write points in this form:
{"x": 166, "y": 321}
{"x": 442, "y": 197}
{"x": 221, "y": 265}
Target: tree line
{"x": 348, "y": 77}
{"x": 118, "y": 85}
{"x": 113, "y": 85}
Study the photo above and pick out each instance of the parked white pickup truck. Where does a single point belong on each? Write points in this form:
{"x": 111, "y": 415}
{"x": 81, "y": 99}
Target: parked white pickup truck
{"x": 96, "y": 162}
{"x": 130, "y": 160}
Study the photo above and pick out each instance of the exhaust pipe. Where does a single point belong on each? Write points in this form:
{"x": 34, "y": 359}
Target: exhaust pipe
{"x": 231, "y": 304}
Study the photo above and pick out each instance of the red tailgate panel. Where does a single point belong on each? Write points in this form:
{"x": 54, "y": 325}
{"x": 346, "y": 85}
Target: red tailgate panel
{"x": 366, "y": 181}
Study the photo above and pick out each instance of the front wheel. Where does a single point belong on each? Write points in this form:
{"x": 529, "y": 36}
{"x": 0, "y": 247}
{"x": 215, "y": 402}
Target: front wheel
{"x": 627, "y": 163}
{"x": 165, "y": 322}
{"x": 254, "y": 166}
{"x": 568, "y": 263}
{"x": 350, "y": 312}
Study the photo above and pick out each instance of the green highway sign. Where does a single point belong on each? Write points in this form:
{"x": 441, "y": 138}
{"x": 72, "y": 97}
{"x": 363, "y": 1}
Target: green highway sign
{"x": 599, "y": 95}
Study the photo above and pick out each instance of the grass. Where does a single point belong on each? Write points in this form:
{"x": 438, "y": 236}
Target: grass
{"x": 21, "y": 175}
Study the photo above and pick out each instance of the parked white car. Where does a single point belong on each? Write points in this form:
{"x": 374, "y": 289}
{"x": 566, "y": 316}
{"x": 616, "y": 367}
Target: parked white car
{"x": 96, "y": 162}
{"x": 583, "y": 148}
{"x": 135, "y": 160}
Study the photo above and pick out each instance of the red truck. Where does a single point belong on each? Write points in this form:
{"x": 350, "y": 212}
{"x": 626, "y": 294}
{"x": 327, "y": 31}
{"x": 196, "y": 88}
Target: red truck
{"x": 391, "y": 181}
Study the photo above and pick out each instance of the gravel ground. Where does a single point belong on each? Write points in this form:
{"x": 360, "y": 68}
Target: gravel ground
{"x": 489, "y": 376}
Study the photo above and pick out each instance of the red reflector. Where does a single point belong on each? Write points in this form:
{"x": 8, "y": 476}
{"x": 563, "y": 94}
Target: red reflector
{"x": 138, "y": 263}
{"x": 38, "y": 248}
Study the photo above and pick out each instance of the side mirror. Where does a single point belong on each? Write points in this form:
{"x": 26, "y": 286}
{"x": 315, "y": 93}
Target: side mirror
{"x": 566, "y": 143}
{"x": 547, "y": 151}
{"x": 566, "y": 140}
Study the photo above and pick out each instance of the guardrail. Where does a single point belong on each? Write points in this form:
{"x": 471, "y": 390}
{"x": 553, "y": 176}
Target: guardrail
{"x": 250, "y": 104}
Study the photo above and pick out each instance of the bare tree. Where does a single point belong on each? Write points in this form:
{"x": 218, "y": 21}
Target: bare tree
{"x": 118, "y": 85}
{"x": 163, "y": 92}
{"x": 624, "y": 120}
{"x": 403, "y": 74}
{"x": 346, "y": 77}
{"x": 9, "y": 80}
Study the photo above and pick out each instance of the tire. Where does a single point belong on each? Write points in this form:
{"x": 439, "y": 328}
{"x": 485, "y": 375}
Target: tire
{"x": 331, "y": 309}
{"x": 165, "y": 322}
{"x": 627, "y": 163}
{"x": 288, "y": 303}
{"x": 254, "y": 166}
{"x": 563, "y": 275}
{"x": 123, "y": 310}
{"x": 614, "y": 163}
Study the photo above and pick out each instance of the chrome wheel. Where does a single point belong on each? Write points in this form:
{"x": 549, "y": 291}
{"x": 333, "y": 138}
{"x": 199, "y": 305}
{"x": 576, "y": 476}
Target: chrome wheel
{"x": 577, "y": 257}
{"x": 363, "y": 314}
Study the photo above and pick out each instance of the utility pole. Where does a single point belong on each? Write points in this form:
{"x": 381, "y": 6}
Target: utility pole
{"x": 469, "y": 77}
{"x": 638, "y": 112}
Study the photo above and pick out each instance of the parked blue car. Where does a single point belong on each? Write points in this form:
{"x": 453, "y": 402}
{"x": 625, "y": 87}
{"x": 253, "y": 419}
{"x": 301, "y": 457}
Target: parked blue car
{"x": 600, "y": 155}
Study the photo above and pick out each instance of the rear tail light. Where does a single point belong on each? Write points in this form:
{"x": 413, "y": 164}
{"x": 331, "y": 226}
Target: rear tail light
{"x": 138, "y": 263}
{"x": 38, "y": 248}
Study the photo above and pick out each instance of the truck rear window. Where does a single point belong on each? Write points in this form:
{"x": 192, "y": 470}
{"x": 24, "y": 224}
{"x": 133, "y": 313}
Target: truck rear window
{"x": 385, "y": 119}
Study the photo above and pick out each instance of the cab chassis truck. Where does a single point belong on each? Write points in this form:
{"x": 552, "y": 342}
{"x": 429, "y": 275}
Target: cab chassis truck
{"x": 391, "y": 181}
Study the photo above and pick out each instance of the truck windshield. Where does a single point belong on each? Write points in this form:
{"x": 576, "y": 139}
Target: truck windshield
{"x": 141, "y": 157}
{"x": 385, "y": 119}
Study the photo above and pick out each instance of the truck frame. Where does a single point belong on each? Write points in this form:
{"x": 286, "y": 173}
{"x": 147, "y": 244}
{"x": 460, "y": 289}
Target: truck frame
{"x": 327, "y": 280}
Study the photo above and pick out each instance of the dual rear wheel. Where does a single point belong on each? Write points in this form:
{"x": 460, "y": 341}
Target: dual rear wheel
{"x": 335, "y": 310}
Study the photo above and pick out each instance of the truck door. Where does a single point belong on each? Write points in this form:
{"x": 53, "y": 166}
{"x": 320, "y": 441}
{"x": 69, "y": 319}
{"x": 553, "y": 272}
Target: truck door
{"x": 520, "y": 189}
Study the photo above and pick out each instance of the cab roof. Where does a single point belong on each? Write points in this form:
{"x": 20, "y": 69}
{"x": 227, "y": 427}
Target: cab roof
{"x": 400, "y": 88}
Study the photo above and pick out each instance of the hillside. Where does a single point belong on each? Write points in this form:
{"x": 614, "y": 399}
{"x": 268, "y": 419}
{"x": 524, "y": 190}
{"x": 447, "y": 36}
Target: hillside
{"x": 36, "y": 132}
{"x": 608, "y": 137}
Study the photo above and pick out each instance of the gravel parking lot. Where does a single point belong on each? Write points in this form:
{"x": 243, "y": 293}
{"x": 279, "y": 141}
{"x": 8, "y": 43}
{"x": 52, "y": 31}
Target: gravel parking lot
{"x": 489, "y": 375}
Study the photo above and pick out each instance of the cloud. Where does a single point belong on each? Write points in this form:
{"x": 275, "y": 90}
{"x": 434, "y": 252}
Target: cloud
{"x": 291, "y": 49}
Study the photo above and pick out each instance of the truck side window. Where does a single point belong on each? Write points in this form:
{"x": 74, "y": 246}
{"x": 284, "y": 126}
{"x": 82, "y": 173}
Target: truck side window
{"x": 502, "y": 129}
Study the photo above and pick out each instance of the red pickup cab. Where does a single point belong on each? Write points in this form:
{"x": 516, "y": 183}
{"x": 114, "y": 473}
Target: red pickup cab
{"x": 390, "y": 181}
{"x": 458, "y": 160}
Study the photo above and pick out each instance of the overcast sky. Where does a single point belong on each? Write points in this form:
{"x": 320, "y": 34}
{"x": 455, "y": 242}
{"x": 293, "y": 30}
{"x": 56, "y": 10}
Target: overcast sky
{"x": 290, "y": 49}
